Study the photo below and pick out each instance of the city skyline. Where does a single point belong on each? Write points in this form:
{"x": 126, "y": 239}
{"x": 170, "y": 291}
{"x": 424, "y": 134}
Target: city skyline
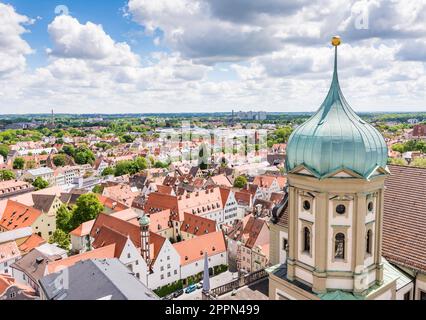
{"x": 185, "y": 56}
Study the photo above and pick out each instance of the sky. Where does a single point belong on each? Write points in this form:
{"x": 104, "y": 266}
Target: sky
{"x": 146, "y": 56}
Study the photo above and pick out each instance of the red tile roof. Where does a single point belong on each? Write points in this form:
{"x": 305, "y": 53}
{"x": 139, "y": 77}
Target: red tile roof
{"x": 31, "y": 243}
{"x": 111, "y": 203}
{"x": 159, "y": 221}
{"x": 197, "y": 225}
{"x": 17, "y": 215}
{"x": 193, "y": 250}
{"x": 404, "y": 219}
{"x": 101, "y": 253}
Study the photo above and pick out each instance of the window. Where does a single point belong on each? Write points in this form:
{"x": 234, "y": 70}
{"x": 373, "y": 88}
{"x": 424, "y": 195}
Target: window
{"x": 422, "y": 295}
{"x": 306, "y": 240}
{"x": 12, "y": 295}
{"x": 162, "y": 277}
{"x": 368, "y": 241}
{"x": 128, "y": 256}
{"x": 370, "y": 206}
{"x": 407, "y": 295}
{"x": 162, "y": 268}
{"x": 339, "y": 246}
{"x": 306, "y": 205}
{"x": 285, "y": 243}
{"x": 340, "y": 209}
{"x": 175, "y": 272}
{"x": 168, "y": 274}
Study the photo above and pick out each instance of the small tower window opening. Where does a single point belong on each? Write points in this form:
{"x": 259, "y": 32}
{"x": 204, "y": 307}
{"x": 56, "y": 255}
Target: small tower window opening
{"x": 307, "y": 240}
{"x": 340, "y": 209}
{"x": 370, "y": 206}
{"x": 306, "y": 205}
{"x": 339, "y": 247}
{"x": 368, "y": 242}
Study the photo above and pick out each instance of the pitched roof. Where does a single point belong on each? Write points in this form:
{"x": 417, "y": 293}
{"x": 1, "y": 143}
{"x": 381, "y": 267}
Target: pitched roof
{"x": 31, "y": 243}
{"x": 107, "y": 237}
{"x": 111, "y": 203}
{"x": 221, "y": 180}
{"x": 404, "y": 218}
{"x": 114, "y": 281}
{"x": 83, "y": 229}
{"x": 122, "y": 227}
{"x": 8, "y": 251}
{"x": 193, "y": 250}
{"x": 248, "y": 231}
{"x": 224, "y": 194}
{"x": 197, "y": 225}
{"x": 243, "y": 198}
{"x": 43, "y": 202}
{"x": 107, "y": 230}
{"x": 160, "y": 201}
{"x": 164, "y": 189}
{"x": 159, "y": 221}
{"x": 34, "y": 264}
{"x": 15, "y": 234}
{"x": 17, "y": 215}
{"x": 101, "y": 253}
{"x": 7, "y": 281}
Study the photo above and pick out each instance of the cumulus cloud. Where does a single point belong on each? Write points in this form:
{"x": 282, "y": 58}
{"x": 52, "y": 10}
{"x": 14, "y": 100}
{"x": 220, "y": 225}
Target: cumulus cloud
{"x": 89, "y": 41}
{"x": 13, "y": 48}
{"x": 221, "y": 55}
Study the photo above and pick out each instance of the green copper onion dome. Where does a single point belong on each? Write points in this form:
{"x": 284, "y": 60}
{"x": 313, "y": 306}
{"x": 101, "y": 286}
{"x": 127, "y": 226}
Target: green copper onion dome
{"x": 144, "y": 221}
{"x": 336, "y": 138}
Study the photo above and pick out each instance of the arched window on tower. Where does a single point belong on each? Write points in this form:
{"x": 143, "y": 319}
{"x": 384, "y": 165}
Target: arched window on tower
{"x": 307, "y": 240}
{"x": 339, "y": 247}
{"x": 368, "y": 241}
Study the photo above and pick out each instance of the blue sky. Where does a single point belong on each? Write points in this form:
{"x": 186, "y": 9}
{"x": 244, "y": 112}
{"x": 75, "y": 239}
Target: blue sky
{"x": 209, "y": 55}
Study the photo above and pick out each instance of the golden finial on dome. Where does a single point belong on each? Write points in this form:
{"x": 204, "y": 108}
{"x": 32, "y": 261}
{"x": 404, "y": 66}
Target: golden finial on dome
{"x": 336, "y": 41}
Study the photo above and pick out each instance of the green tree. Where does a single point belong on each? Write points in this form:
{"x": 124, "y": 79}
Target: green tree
{"x": 84, "y": 155}
{"x": 69, "y": 150}
{"x": 123, "y": 167}
{"x": 39, "y": 183}
{"x": 140, "y": 164}
{"x": 398, "y": 161}
{"x": 398, "y": 147}
{"x": 6, "y": 175}
{"x": 127, "y": 138}
{"x": 60, "y": 160}
{"x": 18, "y": 163}
{"x": 4, "y": 151}
{"x": 108, "y": 171}
{"x": 88, "y": 207}
{"x": 419, "y": 162}
{"x": 63, "y": 218}
{"x": 98, "y": 189}
{"x": 61, "y": 238}
{"x": 159, "y": 164}
{"x": 240, "y": 182}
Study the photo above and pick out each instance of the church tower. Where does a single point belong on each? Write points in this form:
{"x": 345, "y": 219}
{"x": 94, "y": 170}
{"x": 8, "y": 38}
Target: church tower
{"x": 336, "y": 164}
{"x": 144, "y": 228}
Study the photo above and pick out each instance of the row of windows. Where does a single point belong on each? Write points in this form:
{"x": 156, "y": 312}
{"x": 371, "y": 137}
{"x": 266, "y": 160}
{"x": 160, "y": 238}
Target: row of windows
{"x": 168, "y": 274}
{"x": 340, "y": 208}
{"x": 339, "y": 243}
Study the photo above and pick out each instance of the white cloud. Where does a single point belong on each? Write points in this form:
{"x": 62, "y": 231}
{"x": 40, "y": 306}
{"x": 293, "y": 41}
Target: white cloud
{"x": 13, "y": 48}
{"x": 276, "y": 56}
